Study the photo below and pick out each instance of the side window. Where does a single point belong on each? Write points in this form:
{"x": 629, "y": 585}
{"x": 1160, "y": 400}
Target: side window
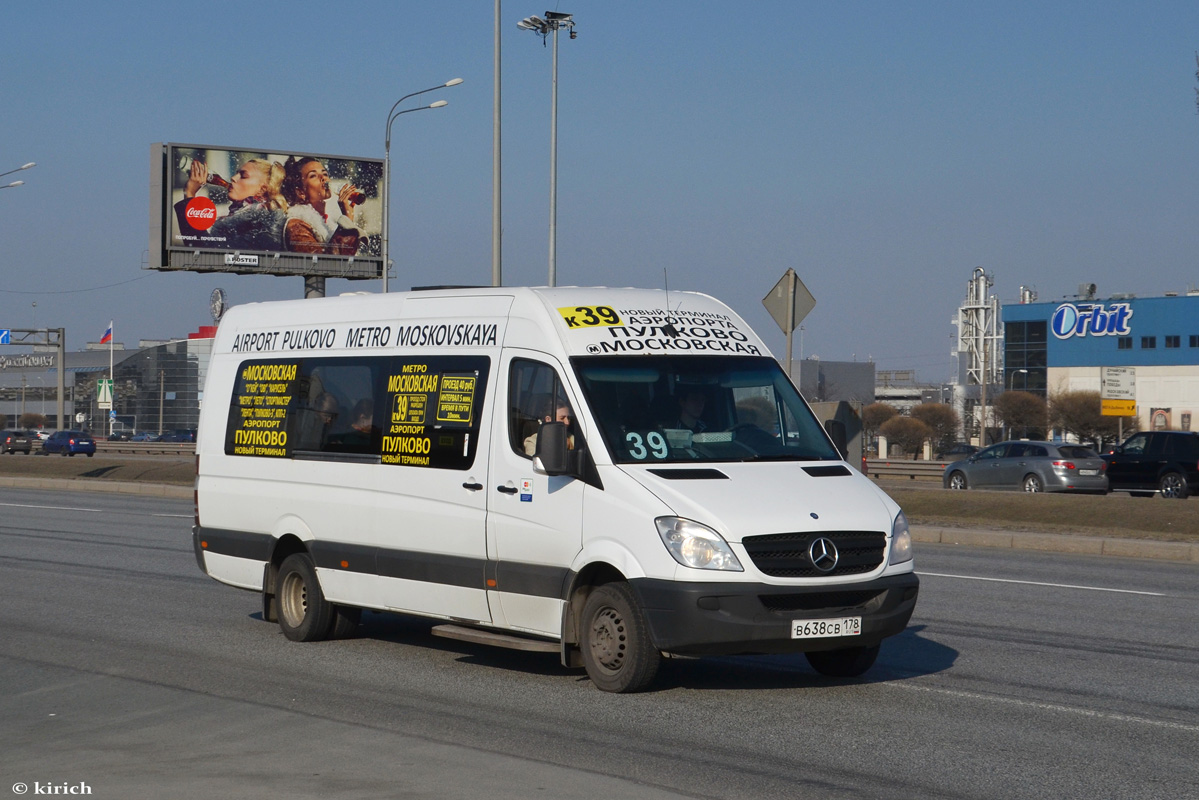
{"x": 408, "y": 411}
{"x": 535, "y": 396}
{"x": 1019, "y": 451}
{"x": 993, "y": 452}
{"x": 1136, "y": 444}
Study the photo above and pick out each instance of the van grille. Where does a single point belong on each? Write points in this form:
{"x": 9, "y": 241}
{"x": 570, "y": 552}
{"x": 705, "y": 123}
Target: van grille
{"x": 819, "y": 601}
{"x": 785, "y": 555}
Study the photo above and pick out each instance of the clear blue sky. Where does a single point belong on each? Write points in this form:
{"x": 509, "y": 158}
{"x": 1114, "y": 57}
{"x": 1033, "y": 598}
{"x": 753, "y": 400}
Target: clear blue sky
{"x": 883, "y": 150}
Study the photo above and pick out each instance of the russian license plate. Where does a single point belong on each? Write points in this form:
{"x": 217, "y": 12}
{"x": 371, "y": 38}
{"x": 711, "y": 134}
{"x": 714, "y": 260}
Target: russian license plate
{"x": 1088, "y": 472}
{"x": 823, "y": 628}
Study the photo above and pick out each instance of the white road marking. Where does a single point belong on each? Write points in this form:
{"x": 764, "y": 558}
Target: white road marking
{"x": 1038, "y": 583}
{"x": 53, "y": 508}
{"x": 1084, "y": 712}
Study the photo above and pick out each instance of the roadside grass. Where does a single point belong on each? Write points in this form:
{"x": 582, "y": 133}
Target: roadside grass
{"x": 1117, "y": 515}
{"x": 151, "y": 470}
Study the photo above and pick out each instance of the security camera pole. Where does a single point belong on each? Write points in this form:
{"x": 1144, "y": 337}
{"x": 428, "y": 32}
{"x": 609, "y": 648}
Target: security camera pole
{"x": 554, "y": 21}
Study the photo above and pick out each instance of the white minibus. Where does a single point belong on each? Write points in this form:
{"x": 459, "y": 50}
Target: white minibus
{"x": 614, "y": 475}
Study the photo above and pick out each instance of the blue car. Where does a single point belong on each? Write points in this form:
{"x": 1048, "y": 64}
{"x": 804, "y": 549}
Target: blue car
{"x": 68, "y": 443}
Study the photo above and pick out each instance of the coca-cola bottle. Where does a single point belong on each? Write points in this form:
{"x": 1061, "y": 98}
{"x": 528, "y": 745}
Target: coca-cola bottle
{"x": 216, "y": 180}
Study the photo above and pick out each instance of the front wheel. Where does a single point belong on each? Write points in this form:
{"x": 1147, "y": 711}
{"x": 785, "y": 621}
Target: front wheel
{"x": 304, "y": 613}
{"x": 617, "y": 651}
{"x": 1173, "y": 486}
{"x": 849, "y": 662}
{"x": 958, "y": 481}
{"x": 1032, "y": 483}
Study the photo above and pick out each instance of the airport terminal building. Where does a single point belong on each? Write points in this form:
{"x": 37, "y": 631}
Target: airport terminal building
{"x": 158, "y": 387}
{"x": 1064, "y": 346}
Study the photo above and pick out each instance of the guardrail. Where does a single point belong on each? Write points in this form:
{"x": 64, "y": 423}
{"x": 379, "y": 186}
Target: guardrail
{"x": 899, "y": 468}
{"x": 147, "y": 448}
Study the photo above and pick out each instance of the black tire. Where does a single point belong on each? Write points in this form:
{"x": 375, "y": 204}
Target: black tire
{"x": 345, "y": 621}
{"x": 957, "y": 480}
{"x": 1032, "y": 483}
{"x": 617, "y": 650}
{"x": 1173, "y": 485}
{"x": 304, "y": 613}
{"x": 848, "y": 662}
{"x": 89, "y": 455}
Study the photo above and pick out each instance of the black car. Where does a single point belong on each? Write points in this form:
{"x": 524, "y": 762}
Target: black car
{"x": 1163, "y": 462}
{"x": 15, "y": 442}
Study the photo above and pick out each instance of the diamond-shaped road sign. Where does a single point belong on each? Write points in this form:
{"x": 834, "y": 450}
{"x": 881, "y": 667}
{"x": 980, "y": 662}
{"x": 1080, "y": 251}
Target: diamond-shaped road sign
{"x": 786, "y": 313}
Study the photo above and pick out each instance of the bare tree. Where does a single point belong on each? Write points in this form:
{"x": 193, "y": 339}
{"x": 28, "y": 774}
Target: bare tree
{"x": 31, "y": 420}
{"x": 943, "y": 421}
{"x": 873, "y": 416}
{"x": 1079, "y": 413}
{"x": 1025, "y": 414}
{"x": 909, "y": 434}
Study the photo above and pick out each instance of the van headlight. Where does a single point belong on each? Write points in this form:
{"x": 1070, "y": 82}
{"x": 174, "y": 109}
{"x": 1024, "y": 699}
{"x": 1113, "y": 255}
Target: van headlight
{"x": 697, "y": 546}
{"x": 901, "y": 541}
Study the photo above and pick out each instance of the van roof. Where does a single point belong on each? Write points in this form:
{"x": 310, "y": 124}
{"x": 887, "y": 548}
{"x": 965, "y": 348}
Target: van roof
{"x": 583, "y": 320}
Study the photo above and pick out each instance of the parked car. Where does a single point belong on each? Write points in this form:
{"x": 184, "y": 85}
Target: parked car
{"x": 1155, "y": 462}
{"x": 39, "y": 435}
{"x": 1031, "y": 466}
{"x": 145, "y": 437}
{"x": 68, "y": 443}
{"x": 958, "y": 452}
{"x": 181, "y": 435}
{"x": 15, "y": 441}
{"x": 119, "y": 436}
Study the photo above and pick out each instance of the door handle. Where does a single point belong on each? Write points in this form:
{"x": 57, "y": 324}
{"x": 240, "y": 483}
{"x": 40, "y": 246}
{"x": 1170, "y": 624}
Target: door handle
{"x": 474, "y": 487}
{"x": 507, "y": 489}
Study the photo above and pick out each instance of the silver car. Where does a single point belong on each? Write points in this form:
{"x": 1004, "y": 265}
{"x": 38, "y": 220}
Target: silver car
{"x": 1031, "y": 466}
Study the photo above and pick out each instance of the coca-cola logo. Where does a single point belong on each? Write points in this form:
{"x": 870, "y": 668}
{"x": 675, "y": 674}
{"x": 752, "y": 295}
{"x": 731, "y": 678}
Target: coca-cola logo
{"x": 200, "y": 213}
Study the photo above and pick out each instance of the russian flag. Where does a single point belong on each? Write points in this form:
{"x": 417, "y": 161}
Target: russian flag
{"x": 107, "y": 337}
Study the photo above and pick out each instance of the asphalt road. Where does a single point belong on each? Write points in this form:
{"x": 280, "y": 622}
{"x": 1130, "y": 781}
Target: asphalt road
{"x": 1023, "y": 675}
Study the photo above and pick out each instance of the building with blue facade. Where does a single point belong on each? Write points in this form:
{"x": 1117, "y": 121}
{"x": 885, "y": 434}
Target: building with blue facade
{"x": 1063, "y": 346}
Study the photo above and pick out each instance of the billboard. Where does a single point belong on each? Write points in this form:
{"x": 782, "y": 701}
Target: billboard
{"x": 224, "y": 209}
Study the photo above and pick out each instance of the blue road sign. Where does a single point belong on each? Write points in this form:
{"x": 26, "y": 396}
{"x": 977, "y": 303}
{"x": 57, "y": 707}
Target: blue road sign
{"x": 5, "y": 336}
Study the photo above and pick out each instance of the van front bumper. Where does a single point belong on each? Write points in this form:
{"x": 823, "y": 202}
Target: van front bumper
{"x": 731, "y": 618}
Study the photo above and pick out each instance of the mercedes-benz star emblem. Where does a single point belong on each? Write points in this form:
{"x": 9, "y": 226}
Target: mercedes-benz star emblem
{"x": 823, "y": 554}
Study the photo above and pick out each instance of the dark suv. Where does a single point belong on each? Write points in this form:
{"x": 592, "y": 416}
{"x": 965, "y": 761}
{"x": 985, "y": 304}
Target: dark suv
{"x": 1155, "y": 461}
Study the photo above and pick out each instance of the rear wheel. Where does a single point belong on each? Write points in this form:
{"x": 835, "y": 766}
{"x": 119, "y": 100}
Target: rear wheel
{"x": 958, "y": 481}
{"x": 1173, "y": 486}
{"x": 1032, "y": 483}
{"x": 617, "y": 651}
{"x": 304, "y": 613}
{"x": 846, "y": 663}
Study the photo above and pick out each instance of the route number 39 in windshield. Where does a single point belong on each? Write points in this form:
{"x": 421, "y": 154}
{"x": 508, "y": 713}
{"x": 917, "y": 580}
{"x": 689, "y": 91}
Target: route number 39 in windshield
{"x": 589, "y": 316}
{"x": 637, "y": 445}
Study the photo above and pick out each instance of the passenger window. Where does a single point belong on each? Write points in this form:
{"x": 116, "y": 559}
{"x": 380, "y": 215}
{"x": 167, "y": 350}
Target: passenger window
{"x": 408, "y": 411}
{"x": 536, "y": 395}
{"x": 1136, "y": 444}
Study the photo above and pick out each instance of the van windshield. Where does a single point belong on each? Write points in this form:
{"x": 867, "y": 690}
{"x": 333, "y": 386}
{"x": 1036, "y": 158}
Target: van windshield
{"x": 671, "y": 409}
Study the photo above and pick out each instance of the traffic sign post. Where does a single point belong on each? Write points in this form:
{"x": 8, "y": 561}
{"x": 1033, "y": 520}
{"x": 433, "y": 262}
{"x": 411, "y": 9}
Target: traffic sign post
{"x": 788, "y": 303}
{"x": 1118, "y": 395}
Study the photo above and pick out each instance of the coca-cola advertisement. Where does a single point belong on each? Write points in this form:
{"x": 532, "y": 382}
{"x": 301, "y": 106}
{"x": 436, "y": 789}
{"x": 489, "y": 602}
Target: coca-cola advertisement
{"x": 247, "y": 211}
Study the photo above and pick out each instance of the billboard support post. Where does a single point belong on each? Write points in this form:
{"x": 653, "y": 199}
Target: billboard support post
{"x": 391, "y": 117}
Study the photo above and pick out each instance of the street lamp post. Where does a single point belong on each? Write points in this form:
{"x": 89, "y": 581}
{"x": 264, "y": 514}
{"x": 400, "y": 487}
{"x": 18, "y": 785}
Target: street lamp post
{"x": 554, "y": 21}
{"x": 391, "y": 117}
{"x": 18, "y": 169}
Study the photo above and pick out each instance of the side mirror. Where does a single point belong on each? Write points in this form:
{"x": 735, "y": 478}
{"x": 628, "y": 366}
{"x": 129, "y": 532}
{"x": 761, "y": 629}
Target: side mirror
{"x": 552, "y": 453}
{"x": 1116, "y": 449}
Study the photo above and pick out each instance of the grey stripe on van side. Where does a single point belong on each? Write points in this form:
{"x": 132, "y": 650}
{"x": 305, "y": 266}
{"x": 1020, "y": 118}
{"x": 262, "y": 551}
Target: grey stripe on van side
{"x": 536, "y": 580}
{"x": 239, "y": 544}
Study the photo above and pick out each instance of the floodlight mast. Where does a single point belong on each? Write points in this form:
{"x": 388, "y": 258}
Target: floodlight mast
{"x": 554, "y": 22}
